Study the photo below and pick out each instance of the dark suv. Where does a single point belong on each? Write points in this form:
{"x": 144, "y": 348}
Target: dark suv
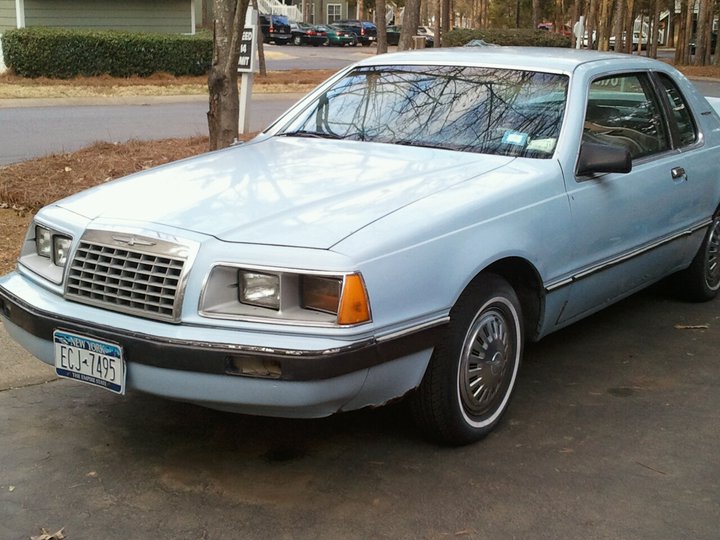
{"x": 275, "y": 28}
{"x": 365, "y": 31}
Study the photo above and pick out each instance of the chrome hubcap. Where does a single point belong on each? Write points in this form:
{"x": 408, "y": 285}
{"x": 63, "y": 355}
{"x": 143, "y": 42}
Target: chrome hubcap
{"x": 487, "y": 359}
{"x": 712, "y": 257}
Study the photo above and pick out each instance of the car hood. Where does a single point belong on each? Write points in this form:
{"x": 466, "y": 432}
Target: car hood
{"x": 282, "y": 190}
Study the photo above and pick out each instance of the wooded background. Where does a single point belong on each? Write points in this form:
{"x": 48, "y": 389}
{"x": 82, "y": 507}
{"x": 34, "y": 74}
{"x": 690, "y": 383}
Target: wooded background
{"x": 687, "y": 25}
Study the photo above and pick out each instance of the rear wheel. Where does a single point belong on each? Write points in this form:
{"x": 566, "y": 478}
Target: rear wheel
{"x": 701, "y": 281}
{"x": 471, "y": 376}
{"x": 297, "y": 40}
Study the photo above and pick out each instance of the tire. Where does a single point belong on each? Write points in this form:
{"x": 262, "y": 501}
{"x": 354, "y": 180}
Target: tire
{"x": 484, "y": 341}
{"x": 701, "y": 281}
{"x": 297, "y": 40}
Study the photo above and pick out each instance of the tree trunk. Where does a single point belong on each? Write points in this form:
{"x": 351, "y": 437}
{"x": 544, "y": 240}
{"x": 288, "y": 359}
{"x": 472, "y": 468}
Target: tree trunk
{"x": 438, "y": 26}
{"x": 223, "y": 76}
{"x": 708, "y": 34}
{"x": 618, "y": 25}
{"x": 629, "y": 25}
{"x": 262, "y": 67}
{"x": 535, "y": 14}
{"x": 701, "y": 36}
{"x": 590, "y": 24}
{"x": 689, "y": 30}
{"x": 381, "y": 25}
{"x": 410, "y": 22}
{"x": 445, "y": 15}
{"x": 655, "y": 34}
{"x": 603, "y": 25}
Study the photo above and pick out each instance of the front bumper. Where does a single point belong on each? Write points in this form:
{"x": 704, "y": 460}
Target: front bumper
{"x": 310, "y": 381}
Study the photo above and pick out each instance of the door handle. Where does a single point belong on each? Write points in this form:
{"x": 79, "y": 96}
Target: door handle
{"x": 678, "y": 173}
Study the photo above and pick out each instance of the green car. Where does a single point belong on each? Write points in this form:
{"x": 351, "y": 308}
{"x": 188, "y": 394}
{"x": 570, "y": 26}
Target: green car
{"x": 338, "y": 36}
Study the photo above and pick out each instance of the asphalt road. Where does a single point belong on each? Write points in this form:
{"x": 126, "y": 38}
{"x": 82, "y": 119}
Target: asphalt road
{"x": 613, "y": 433}
{"x": 28, "y": 132}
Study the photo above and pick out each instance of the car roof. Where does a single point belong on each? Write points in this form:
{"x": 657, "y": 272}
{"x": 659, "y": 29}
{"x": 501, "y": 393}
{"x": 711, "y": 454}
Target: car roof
{"x": 528, "y": 58}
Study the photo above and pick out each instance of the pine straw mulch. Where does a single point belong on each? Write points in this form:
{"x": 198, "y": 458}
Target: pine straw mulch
{"x": 27, "y": 186}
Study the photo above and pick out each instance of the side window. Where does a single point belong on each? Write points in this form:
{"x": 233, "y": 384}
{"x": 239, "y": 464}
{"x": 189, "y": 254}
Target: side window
{"x": 687, "y": 130}
{"x": 623, "y": 111}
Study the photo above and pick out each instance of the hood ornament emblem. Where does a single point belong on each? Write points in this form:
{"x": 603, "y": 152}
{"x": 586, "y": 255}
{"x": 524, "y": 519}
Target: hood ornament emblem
{"x": 132, "y": 241}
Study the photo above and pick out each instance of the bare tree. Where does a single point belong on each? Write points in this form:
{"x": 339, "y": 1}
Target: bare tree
{"x": 410, "y": 22}
{"x": 630, "y": 15}
{"x": 223, "y": 77}
{"x": 707, "y": 53}
{"x": 701, "y": 34}
{"x": 655, "y": 30}
{"x": 262, "y": 67}
{"x": 688, "y": 24}
{"x": 445, "y": 15}
{"x": 603, "y": 25}
{"x": 438, "y": 26}
{"x": 618, "y": 25}
{"x": 381, "y": 25}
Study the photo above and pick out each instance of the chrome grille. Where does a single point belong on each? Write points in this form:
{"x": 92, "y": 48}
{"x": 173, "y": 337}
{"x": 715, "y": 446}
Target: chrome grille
{"x": 144, "y": 281}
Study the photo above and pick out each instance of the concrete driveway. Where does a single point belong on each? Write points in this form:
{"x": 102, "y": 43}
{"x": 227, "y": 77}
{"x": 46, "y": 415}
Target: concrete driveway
{"x": 614, "y": 433}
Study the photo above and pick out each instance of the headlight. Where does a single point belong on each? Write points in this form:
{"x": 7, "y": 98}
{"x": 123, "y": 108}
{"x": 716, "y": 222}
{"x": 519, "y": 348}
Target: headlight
{"x": 61, "y": 248}
{"x": 52, "y": 245}
{"x": 258, "y": 289}
{"x": 46, "y": 252}
{"x": 43, "y": 241}
{"x": 286, "y": 296}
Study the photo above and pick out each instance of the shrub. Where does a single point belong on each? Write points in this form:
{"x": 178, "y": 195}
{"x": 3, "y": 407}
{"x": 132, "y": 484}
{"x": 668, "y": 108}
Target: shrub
{"x": 58, "y": 53}
{"x": 518, "y": 37}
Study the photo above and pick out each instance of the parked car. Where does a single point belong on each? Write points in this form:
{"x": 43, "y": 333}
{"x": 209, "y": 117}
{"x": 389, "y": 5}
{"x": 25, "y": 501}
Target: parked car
{"x": 338, "y": 36}
{"x": 565, "y": 29}
{"x": 275, "y": 28}
{"x": 445, "y": 208}
{"x": 426, "y": 31}
{"x": 393, "y": 35}
{"x": 365, "y": 31}
{"x": 307, "y": 34}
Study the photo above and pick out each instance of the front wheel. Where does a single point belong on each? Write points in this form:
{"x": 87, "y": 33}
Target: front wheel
{"x": 472, "y": 374}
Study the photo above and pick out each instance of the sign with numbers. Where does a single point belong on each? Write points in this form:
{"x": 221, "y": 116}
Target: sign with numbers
{"x": 246, "y": 62}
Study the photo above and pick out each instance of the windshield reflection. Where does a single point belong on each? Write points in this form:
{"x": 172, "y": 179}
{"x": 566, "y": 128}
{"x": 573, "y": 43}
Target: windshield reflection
{"x": 485, "y": 110}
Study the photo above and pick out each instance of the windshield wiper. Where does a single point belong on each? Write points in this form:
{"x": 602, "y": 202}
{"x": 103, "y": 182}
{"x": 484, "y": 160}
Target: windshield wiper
{"x": 311, "y": 134}
{"x": 422, "y": 144}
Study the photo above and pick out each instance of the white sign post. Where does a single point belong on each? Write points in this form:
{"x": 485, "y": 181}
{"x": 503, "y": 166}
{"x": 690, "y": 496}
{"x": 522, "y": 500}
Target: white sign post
{"x": 246, "y": 67}
{"x": 579, "y": 31}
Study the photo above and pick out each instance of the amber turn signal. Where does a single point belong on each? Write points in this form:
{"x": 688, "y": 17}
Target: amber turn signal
{"x": 354, "y": 305}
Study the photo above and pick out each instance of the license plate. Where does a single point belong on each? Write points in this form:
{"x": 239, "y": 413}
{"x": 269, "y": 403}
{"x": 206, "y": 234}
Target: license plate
{"x": 89, "y": 360}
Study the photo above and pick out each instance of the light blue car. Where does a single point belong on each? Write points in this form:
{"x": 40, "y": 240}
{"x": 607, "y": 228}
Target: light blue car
{"x": 450, "y": 206}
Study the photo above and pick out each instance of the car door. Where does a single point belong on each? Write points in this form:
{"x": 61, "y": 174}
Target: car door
{"x": 629, "y": 229}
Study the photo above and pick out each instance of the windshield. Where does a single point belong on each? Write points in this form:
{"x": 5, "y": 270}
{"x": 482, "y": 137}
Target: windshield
{"x": 494, "y": 111}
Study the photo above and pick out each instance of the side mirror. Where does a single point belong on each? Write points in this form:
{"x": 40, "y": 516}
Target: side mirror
{"x": 602, "y": 158}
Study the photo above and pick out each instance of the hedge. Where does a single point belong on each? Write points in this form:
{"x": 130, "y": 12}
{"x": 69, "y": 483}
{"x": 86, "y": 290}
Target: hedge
{"x": 58, "y": 53}
{"x": 517, "y": 37}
